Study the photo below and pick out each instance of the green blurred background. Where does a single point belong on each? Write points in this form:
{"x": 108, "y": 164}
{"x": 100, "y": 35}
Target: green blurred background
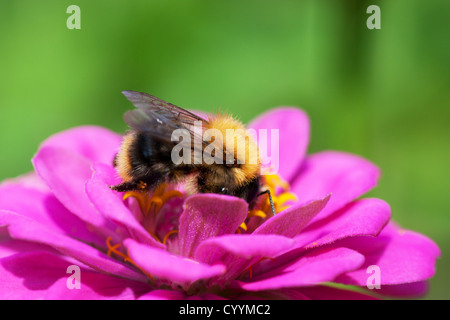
{"x": 383, "y": 94}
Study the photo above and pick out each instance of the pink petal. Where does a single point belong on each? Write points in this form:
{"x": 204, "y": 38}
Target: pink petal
{"x": 96, "y": 144}
{"x": 9, "y": 247}
{"x": 166, "y": 266}
{"x": 24, "y": 228}
{"x": 206, "y": 216}
{"x": 314, "y": 267}
{"x": 42, "y": 275}
{"x": 67, "y": 173}
{"x": 237, "y": 252}
{"x": 291, "y": 221}
{"x": 365, "y": 217}
{"x": 43, "y": 207}
{"x": 293, "y": 126}
{"x": 344, "y": 175}
{"x": 403, "y": 256}
{"x": 111, "y": 206}
{"x": 243, "y": 245}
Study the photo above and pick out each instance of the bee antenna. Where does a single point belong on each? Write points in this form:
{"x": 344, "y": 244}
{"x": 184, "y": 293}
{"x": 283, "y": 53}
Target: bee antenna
{"x": 270, "y": 199}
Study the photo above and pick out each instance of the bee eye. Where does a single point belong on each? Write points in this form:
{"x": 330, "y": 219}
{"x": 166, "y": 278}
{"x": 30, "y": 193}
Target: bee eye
{"x": 224, "y": 190}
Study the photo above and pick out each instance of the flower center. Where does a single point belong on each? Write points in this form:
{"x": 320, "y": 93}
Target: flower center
{"x": 150, "y": 206}
{"x": 280, "y": 193}
{"x": 152, "y": 217}
{"x": 281, "y": 196}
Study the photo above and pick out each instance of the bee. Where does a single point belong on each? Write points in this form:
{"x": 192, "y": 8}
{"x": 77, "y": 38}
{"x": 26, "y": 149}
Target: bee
{"x": 145, "y": 160}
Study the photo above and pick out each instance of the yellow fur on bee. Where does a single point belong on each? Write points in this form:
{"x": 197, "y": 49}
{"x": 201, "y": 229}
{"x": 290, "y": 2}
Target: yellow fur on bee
{"x": 236, "y": 140}
{"x": 123, "y": 159}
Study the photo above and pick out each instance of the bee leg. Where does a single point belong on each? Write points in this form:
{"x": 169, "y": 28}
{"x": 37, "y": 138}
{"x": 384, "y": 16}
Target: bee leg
{"x": 115, "y": 160}
{"x": 148, "y": 182}
{"x": 270, "y": 200}
{"x": 126, "y": 186}
{"x": 131, "y": 186}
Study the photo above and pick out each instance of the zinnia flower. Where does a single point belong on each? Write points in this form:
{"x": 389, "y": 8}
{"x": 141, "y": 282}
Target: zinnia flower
{"x": 167, "y": 245}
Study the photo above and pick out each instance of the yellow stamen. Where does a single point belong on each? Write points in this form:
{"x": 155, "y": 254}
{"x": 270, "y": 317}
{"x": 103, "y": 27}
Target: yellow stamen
{"x": 140, "y": 197}
{"x": 284, "y": 197}
{"x": 113, "y": 249}
{"x": 279, "y": 192}
{"x": 125, "y": 257}
{"x": 279, "y": 209}
{"x": 151, "y": 205}
{"x": 171, "y": 194}
{"x": 168, "y": 235}
{"x": 154, "y": 236}
{"x": 273, "y": 182}
{"x": 256, "y": 213}
{"x": 158, "y": 200}
{"x": 250, "y": 268}
{"x": 154, "y": 203}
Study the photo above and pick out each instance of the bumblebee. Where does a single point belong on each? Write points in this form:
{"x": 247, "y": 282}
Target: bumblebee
{"x": 145, "y": 159}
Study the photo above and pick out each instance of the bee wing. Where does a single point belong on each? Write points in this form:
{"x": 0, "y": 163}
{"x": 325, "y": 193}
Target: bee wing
{"x": 160, "y": 118}
{"x": 158, "y": 111}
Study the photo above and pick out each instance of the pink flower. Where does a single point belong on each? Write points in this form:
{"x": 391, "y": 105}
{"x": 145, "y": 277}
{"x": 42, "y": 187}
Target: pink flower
{"x": 169, "y": 246}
